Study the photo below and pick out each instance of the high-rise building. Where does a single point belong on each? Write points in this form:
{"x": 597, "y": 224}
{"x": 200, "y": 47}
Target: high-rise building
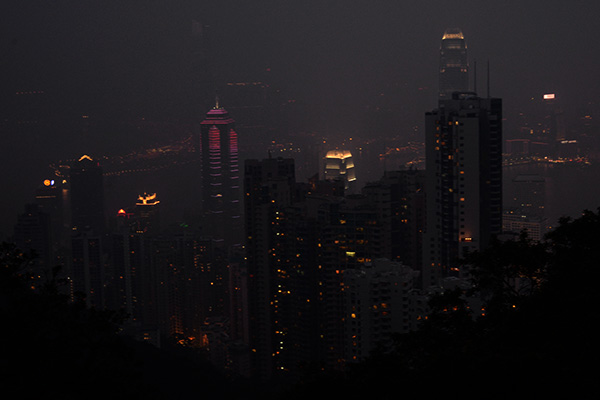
{"x": 377, "y": 306}
{"x": 339, "y": 165}
{"x": 221, "y": 177}
{"x": 463, "y": 181}
{"x": 399, "y": 197}
{"x": 147, "y": 214}
{"x": 88, "y": 229}
{"x": 87, "y": 196}
{"x": 454, "y": 67}
{"x": 269, "y": 186}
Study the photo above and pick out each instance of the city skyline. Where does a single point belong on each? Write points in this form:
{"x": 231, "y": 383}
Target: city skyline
{"x": 91, "y": 76}
{"x": 286, "y": 192}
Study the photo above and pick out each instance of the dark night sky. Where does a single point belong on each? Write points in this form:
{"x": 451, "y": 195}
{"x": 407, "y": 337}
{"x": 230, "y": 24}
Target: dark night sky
{"x": 336, "y": 56}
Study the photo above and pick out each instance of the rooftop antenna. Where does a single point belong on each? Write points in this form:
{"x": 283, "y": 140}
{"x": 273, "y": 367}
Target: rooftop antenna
{"x": 488, "y": 78}
{"x": 475, "y": 76}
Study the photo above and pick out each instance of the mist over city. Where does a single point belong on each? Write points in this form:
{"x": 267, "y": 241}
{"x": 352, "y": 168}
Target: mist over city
{"x": 282, "y": 199}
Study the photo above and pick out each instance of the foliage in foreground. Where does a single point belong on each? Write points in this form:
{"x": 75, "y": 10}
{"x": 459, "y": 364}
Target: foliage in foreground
{"x": 537, "y": 338}
{"x": 50, "y": 345}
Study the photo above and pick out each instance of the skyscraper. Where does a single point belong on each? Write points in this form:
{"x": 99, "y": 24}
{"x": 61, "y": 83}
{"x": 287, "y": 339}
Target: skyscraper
{"x": 220, "y": 176}
{"x": 147, "y": 213}
{"x": 88, "y": 229}
{"x": 87, "y": 196}
{"x": 269, "y": 186}
{"x": 454, "y": 67}
{"x": 463, "y": 181}
{"x": 339, "y": 165}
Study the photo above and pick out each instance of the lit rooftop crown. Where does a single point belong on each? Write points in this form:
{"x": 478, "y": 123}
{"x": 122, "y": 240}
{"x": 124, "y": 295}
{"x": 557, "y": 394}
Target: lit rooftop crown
{"x": 147, "y": 200}
{"x": 453, "y": 33}
{"x": 341, "y": 154}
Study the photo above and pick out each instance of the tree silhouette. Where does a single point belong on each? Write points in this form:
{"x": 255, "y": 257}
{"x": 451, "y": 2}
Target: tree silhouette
{"x": 537, "y": 338}
{"x": 51, "y": 345}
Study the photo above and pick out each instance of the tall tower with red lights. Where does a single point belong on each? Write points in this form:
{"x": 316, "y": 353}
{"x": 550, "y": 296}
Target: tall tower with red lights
{"x": 220, "y": 177}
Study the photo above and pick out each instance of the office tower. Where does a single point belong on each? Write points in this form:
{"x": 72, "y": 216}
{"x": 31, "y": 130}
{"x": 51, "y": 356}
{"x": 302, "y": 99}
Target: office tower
{"x": 221, "y": 177}
{"x": 454, "y": 67}
{"x": 147, "y": 213}
{"x": 463, "y": 181}
{"x": 88, "y": 228}
{"x": 87, "y": 196}
{"x": 339, "y": 165}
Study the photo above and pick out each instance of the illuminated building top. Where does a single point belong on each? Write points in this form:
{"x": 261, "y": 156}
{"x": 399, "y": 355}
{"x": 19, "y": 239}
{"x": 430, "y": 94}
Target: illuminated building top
{"x": 85, "y": 157}
{"x": 453, "y": 33}
{"x": 217, "y": 115}
{"x": 454, "y": 67}
{"x": 339, "y": 165}
{"x": 340, "y": 154}
{"x": 147, "y": 200}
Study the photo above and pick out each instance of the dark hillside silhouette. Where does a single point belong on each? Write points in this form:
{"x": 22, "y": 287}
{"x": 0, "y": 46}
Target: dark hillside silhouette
{"x": 52, "y": 346}
{"x": 533, "y": 342}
